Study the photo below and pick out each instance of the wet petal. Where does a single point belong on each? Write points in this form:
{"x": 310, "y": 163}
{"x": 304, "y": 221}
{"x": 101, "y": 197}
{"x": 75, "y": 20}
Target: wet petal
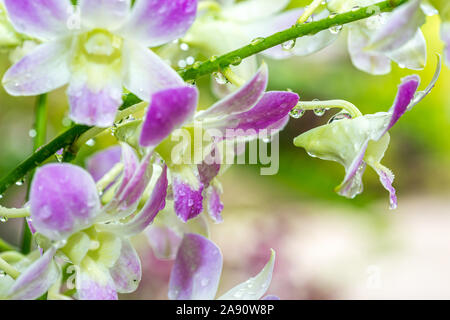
{"x": 215, "y": 205}
{"x": 36, "y": 279}
{"x": 254, "y": 288}
{"x": 156, "y": 22}
{"x": 412, "y": 55}
{"x": 101, "y": 162}
{"x": 400, "y": 28}
{"x": 187, "y": 192}
{"x": 104, "y": 14}
{"x": 94, "y": 104}
{"x": 197, "y": 269}
{"x": 253, "y": 9}
{"x": 386, "y": 179}
{"x": 241, "y": 100}
{"x": 127, "y": 271}
{"x": 94, "y": 282}
{"x": 169, "y": 110}
{"x": 63, "y": 200}
{"x": 42, "y": 19}
{"x": 146, "y": 73}
{"x": 43, "y": 70}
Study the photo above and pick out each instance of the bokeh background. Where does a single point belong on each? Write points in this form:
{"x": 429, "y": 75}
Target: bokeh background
{"x": 328, "y": 247}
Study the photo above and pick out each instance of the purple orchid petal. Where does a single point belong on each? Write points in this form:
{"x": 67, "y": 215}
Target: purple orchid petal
{"x": 242, "y": 100}
{"x": 94, "y": 104}
{"x": 127, "y": 271}
{"x": 164, "y": 241}
{"x": 44, "y": 69}
{"x": 36, "y": 279}
{"x": 197, "y": 269}
{"x": 367, "y": 61}
{"x": 401, "y": 27}
{"x": 42, "y": 19}
{"x": 104, "y": 14}
{"x": 272, "y": 108}
{"x": 271, "y": 297}
{"x": 145, "y": 217}
{"x": 94, "y": 282}
{"x": 103, "y": 161}
{"x": 215, "y": 205}
{"x": 156, "y": 22}
{"x": 146, "y": 73}
{"x": 386, "y": 179}
{"x": 63, "y": 200}
{"x": 169, "y": 110}
{"x": 188, "y": 198}
{"x": 253, "y": 288}
{"x": 207, "y": 172}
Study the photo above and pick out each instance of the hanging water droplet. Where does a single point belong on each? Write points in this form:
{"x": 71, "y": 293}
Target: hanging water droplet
{"x": 184, "y": 46}
{"x": 32, "y": 133}
{"x": 257, "y": 41}
{"x": 90, "y": 142}
{"x": 355, "y": 8}
{"x": 335, "y": 29}
{"x": 20, "y": 182}
{"x": 213, "y": 58}
{"x": 332, "y": 15}
{"x": 319, "y": 111}
{"x": 288, "y": 45}
{"x": 340, "y": 116}
{"x": 220, "y": 78}
{"x": 236, "y": 61}
{"x": 2, "y": 274}
{"x": 3, "y": 219}
{"x": 267, "y": 139}
{"x": 297, "y": 113}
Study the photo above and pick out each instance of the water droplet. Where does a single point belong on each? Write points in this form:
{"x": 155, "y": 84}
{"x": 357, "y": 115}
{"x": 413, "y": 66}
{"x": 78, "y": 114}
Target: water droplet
{"x": 340, "y": 116}
{"x": 236, "y": 61}
{"x": 297, "y": 113}
{"x": 213, "y": 58}
{"x": 197, "y": 65}
{"x": 288, "y": 45}
{"x": 90, "y": 142}
{"x": 32, "y": 133}
{"x": 2, "y": 274}
{"x": 267, "y": 139}
{"x": 184, "y": 46}
{"x": 319, "y": 111}
{"x": 190, "y": 60}
{"x": 335, "y": 29}
{"x": 182, "y": 63}
{"x": 220, "y": 78}
{"x": 332, "y": 15}
{"x": 257, "y": 41}
{"x": 3, "y": 219}
{"x": 20, "y": 182}
{"x": 355, "y": 8}
{"x": 1, "y": 196}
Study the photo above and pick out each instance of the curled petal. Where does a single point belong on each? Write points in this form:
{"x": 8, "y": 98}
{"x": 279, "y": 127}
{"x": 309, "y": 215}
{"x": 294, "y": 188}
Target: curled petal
{"x": 145, "y": 72}
{"x": 156, "y": 22}
{"x": 169, "y": 110}
{"x": 63, "y": 200}
{"x": 127, "y": 272}
{"x": 101, "y": 162}
{"x": 386, "y": 179}
{"x": 412, "y": 55}
{"x": 104, "y": 14}
{"x": 94, "y": 282}
{"x": 197, "y": 269}
{"x": 36, "y": 279}
{"x": 253, "y": 288}
{"x": 44, "y": 69}
{"x": 42, "y": 19}
{"x": 241, "y": 100}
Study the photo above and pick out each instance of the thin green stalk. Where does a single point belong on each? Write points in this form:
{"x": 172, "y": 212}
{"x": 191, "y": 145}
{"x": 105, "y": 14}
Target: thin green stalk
{"x": 67, "y": 138}
{"x": 4, "y": 246}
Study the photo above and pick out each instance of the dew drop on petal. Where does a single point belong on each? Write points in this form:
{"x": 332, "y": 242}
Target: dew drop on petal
{"x": 220, "y": 78}
{"x": 340, "y": 116}
{"x": 335, "y": 29}
{"x": 319, "y": 111}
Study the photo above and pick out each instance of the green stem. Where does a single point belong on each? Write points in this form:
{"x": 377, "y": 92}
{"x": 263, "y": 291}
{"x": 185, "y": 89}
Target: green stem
{"x": 297, "y": 31}
{"x": 341, "y": 104}
{"x": 4, "y": 246}
{"x": 9, "y": 269}
{"x": 70, "y": 136}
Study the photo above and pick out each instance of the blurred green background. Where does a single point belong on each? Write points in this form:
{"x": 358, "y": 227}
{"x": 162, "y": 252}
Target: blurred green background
{"x": 328, "y": 246}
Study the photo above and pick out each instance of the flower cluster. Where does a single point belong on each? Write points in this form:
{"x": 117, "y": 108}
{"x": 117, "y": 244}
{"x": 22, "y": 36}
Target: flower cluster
{"x": 162, "y": 176}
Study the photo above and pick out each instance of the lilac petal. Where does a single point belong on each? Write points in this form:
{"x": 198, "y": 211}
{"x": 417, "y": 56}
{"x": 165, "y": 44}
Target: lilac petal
{"x": 412, "y": 55}
{"x": 94, "y": 104}
{"x": 169, "y": 110}
{"x": 148, "y": 213}
{"x": 42, "y": 19}
{"x": 94, "y": 282}
{"x": 36, "y": 279}
{"x": 146, "y": 73}
{"x": 156, "y": 22}
{"x": 104, "y": 14}
{"x": 253, "y": 288}
{"x": 368, "y": 61}
{"x": 241, "y": 100}
{"x": 63, "y": 200}
{"x": 103, "y": 161}
{"x": 215, "y": 205}
{"x": 272, "y": 108}
{"x": 401, "y": 27}
{"x": 127, "y": 271}
{"x": 197, "y": 269}
{"x": 130, "y": 165}
{"x": 188, "y": 198}
{"x": 164, "y": 241}
{"x": 43, "y": 70}
{"x": 386, "y": 179}
{"x": 271, "y": 297}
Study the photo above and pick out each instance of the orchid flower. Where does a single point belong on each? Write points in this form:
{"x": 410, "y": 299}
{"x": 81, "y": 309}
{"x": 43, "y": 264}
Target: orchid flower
{"x": 395, "y": 36}
{"x": 70, "y": 222}
{"x": 99, "y": 54}
{"x": 197, "y": 270}
{"x": 363, "y": 140}
{"x": 223, "y": 26}
{"x": 243, "y": 113}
